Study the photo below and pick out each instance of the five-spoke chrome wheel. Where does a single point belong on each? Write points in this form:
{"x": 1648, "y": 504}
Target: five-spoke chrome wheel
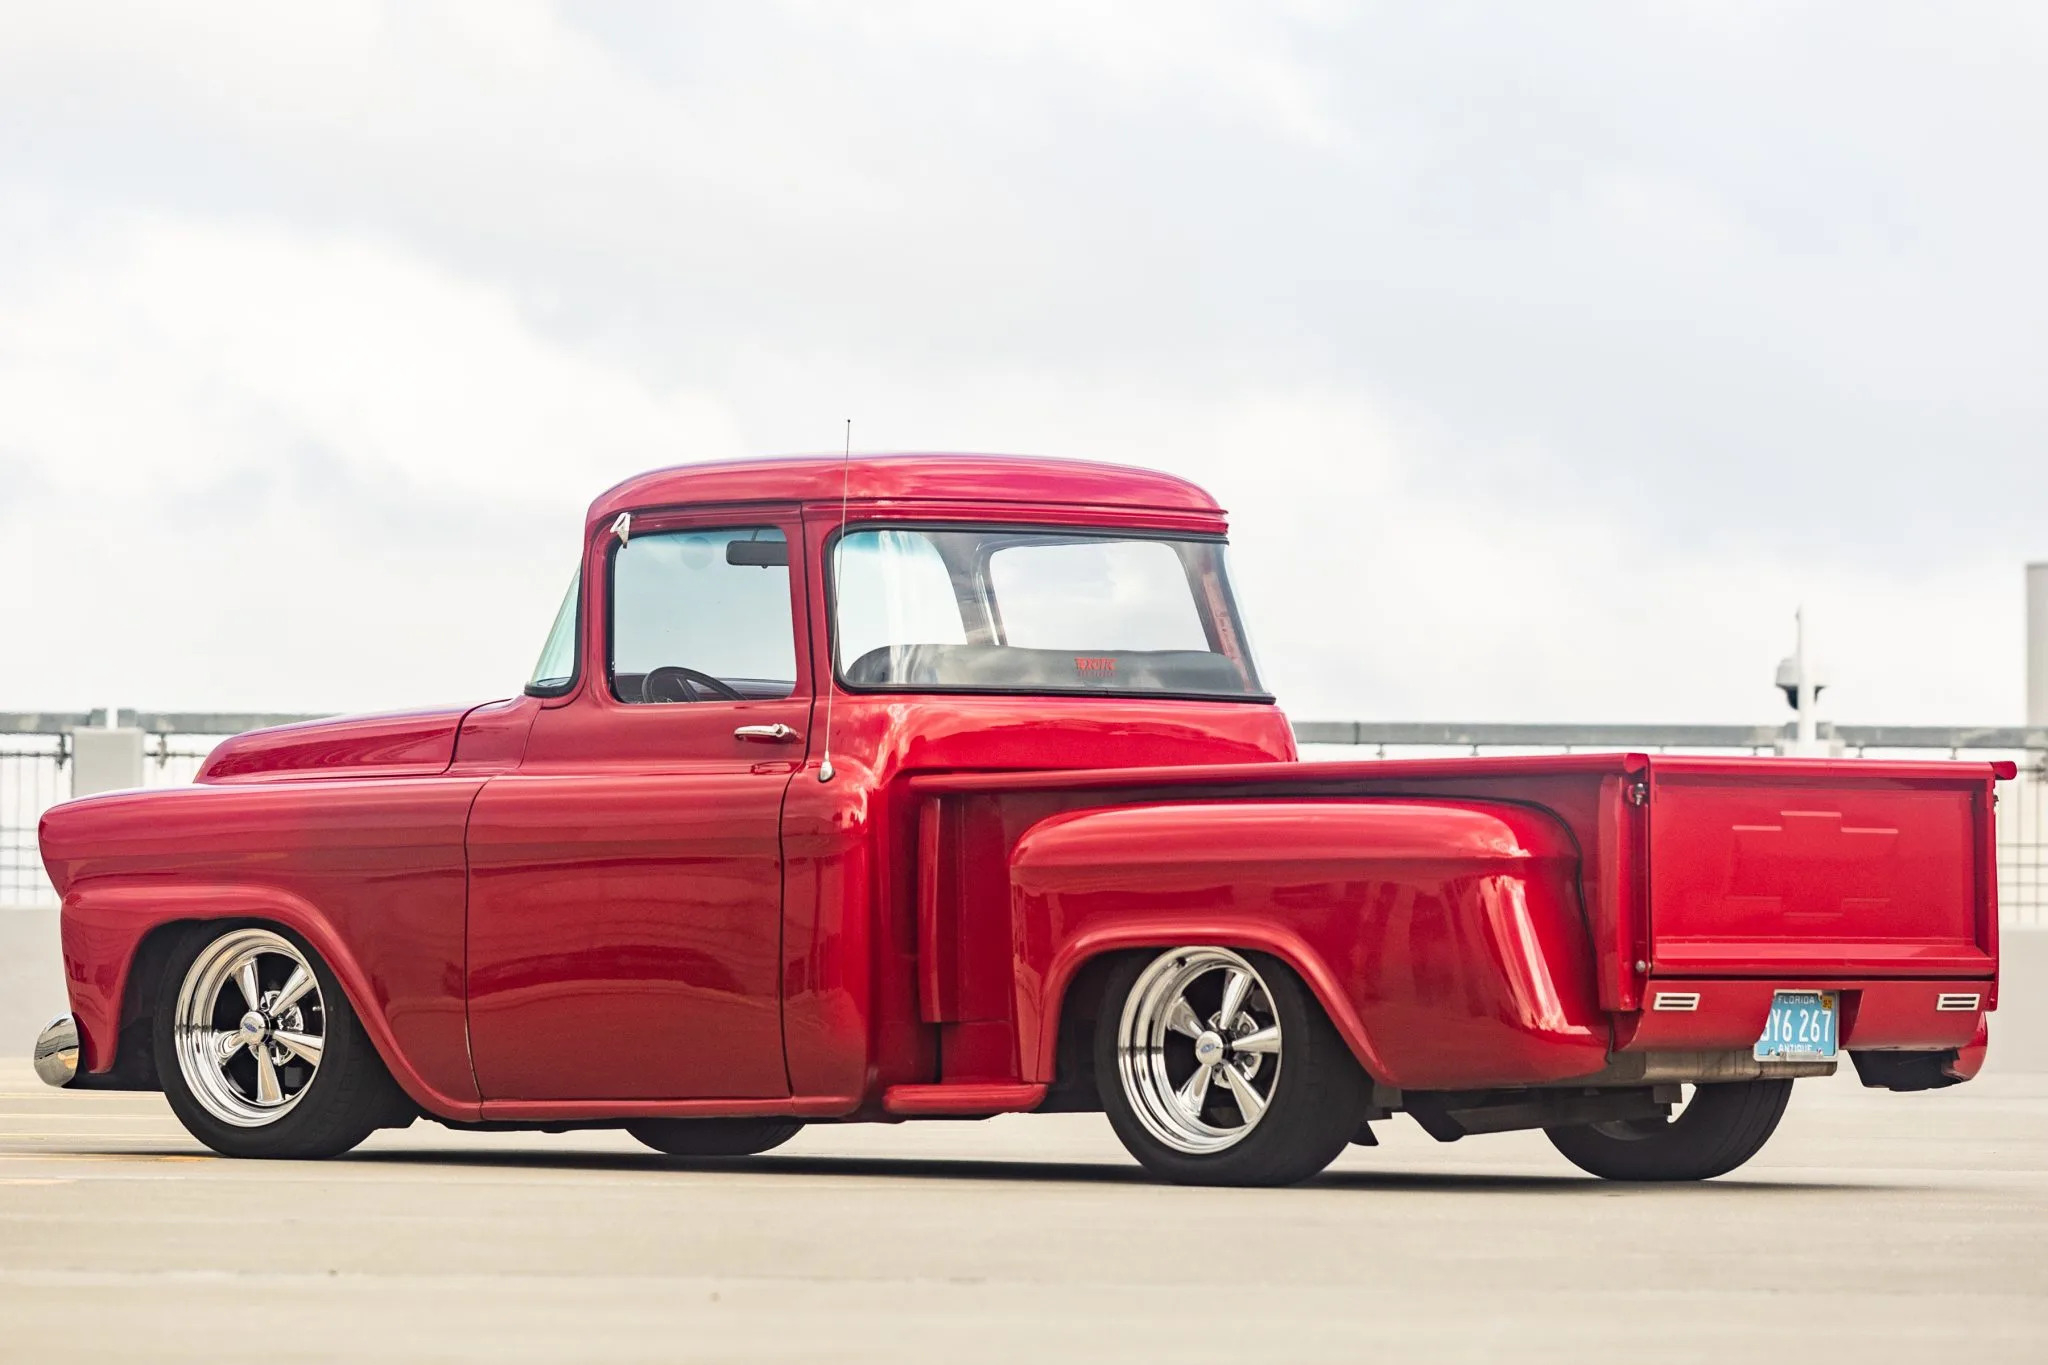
{"x": 250, "y": 1027}
{"x": 1198, "y": 1049}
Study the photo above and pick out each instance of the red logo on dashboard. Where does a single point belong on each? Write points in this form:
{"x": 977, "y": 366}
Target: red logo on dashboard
{"x": 1084, "y": 665}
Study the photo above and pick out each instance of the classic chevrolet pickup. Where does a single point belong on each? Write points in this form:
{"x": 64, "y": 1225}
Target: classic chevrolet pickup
{"x": 939, "y": 786}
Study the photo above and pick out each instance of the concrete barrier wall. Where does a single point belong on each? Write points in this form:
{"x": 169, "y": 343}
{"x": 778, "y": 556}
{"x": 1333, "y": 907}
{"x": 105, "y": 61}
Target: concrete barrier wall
{"x": 32, "y": 989}
{"x": 31, "y": 977}
{"x": 2019, "y": 1029}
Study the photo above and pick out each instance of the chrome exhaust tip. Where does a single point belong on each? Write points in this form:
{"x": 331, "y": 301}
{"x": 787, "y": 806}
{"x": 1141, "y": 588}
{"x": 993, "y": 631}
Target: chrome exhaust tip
{"x": 56, "y": 1053}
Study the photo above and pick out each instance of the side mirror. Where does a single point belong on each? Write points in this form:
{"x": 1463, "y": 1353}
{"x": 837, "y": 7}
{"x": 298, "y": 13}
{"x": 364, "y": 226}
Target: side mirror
{"x": 759, "y": 554}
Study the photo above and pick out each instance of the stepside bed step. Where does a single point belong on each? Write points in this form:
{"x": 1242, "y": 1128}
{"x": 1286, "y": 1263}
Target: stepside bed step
{"x": 962, "y": 1098}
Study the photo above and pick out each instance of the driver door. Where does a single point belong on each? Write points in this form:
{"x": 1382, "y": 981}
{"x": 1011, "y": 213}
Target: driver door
{"x": 626, "y": 882}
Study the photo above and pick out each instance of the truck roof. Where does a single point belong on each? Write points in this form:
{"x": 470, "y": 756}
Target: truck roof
{"x": 906, "y": 477}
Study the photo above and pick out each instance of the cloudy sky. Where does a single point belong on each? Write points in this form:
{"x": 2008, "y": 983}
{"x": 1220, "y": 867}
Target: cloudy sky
{"x": 1547, "y": 356}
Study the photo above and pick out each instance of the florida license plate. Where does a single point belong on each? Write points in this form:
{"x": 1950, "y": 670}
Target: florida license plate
{"x": 1801, "y": 1027}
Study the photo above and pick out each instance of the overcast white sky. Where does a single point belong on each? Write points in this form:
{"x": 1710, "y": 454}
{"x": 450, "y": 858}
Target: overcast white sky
{"x": 1547, "y": 356}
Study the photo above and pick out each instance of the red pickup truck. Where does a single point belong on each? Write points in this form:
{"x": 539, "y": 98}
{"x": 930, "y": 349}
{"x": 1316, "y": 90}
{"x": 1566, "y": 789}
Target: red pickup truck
{"x": 939, "y": 786}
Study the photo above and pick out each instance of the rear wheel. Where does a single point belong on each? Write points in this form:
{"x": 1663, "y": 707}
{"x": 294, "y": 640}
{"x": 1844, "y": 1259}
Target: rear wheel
{"x": 714, "y": 1137}
{"x": 1219, "y": 1068}
{"x": 259, "y": 1052}
{"x": 1719, "y": 1128}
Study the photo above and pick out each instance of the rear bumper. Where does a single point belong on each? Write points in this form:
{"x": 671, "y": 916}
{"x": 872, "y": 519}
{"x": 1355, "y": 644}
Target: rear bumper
{"x": 1917, "y": 1034}
{"x": 56, "y": 1051}
{"x": 1709, "y": 1067}
{"x": 1720, "y": 1014}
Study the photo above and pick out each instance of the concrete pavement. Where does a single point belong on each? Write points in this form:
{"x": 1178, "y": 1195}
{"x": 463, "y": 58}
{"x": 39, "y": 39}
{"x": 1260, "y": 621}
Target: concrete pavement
{"x": 1875, "y": 1227}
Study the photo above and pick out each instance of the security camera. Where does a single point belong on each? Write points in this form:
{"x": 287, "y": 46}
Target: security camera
{"x": 1788, "y": 681}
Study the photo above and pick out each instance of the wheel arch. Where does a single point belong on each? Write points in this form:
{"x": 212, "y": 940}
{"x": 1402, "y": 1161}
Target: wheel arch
{"x": 118, "y": 939}
{"x": 133, "y": 1058}
{"x": 1093, "y": 956}
{"x": 1071, "y": 1082}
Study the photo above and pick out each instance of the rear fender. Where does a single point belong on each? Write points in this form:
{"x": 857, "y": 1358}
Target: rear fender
{"x": 1158, "y": 933}
{"x": 103, "y": 924}
{"x": 1445, "y": 940}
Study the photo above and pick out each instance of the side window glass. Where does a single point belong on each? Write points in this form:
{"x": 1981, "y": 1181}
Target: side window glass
{"x": 702, "y": 616}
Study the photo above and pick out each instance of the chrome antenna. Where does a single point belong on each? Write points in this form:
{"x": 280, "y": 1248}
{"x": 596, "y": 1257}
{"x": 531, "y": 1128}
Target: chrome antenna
{"x": 831, "y": 633}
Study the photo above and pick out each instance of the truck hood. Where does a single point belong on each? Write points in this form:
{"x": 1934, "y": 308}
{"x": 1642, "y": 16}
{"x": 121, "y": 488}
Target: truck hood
{"x": 400, "y": 744}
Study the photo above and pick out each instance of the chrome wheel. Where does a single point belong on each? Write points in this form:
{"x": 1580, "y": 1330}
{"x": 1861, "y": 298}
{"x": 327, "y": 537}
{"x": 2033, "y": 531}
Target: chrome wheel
{"x": 249, "y": 1027}
{"x": 1198, "y": 1049}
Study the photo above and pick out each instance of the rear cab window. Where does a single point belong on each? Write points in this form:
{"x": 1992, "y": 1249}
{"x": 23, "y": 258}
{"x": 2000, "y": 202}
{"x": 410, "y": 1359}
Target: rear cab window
{"x": 1019, "y": 609}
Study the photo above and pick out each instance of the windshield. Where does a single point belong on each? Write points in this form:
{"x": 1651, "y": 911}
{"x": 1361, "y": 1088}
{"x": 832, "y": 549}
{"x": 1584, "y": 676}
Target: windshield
{"x": 557, "y": 666}
{"x": 1007, "y": 609}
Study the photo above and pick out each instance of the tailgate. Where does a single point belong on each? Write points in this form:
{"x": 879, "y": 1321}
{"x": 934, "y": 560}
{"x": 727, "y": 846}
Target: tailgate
{"x": 1818, "y": 868}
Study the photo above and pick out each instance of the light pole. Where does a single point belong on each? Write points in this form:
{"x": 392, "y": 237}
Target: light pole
{"x": 1799, "y": 679}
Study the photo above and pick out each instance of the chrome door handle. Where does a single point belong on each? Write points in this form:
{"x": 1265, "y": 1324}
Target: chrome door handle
{"x": 767, "y": 734}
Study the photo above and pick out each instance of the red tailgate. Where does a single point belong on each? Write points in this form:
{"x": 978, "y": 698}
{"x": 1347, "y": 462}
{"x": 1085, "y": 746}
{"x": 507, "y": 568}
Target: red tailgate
{"x": 1818, "y": 868}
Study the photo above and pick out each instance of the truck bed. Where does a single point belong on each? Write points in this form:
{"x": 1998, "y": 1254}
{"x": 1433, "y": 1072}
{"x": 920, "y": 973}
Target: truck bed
{"x": 1870, "y": 876}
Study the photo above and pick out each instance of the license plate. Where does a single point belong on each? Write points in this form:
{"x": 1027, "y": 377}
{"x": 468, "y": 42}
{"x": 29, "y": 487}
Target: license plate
{"x": 1799, "y": 1028}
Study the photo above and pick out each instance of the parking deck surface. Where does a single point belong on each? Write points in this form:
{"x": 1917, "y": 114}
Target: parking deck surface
{"x": 1874, "y": 1227}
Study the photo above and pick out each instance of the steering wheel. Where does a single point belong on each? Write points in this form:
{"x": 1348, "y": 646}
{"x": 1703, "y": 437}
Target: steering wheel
{"x": 671, "y": 682}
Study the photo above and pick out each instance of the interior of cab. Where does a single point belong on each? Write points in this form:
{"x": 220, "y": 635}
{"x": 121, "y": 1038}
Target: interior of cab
{"x": 671, "y": 683}
{"x": 1008, "y": 667}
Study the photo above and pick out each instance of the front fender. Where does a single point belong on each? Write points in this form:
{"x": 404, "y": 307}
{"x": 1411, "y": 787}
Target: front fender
{"x": 104, "y": 922}
{"x": 1446, "y": 940}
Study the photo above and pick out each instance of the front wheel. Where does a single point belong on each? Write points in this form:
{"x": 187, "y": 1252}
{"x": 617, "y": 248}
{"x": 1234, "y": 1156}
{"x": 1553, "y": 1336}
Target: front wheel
{"x": 1719, "y": 1128}
{"x": 259, "y": 1052}
{"x": 1220, "y": 1068}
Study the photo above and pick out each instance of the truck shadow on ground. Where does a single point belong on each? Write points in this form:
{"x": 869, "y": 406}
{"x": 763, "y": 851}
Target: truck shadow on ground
{"x": 1047, "y": 1172}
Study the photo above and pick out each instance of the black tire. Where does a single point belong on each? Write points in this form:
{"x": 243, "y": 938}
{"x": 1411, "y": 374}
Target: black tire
{"x": 1317, "y": 1101}
{"x": 349, "y": 1096}
{"x": 1721, "y": 1127}
{"x": 714, "y": 1137}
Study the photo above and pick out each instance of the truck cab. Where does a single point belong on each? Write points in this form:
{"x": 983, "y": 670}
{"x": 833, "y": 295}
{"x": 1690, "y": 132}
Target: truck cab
{"x": 730, "y": 631}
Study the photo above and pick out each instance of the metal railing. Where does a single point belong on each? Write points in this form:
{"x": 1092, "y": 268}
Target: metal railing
{"x": 35, "y": 769}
